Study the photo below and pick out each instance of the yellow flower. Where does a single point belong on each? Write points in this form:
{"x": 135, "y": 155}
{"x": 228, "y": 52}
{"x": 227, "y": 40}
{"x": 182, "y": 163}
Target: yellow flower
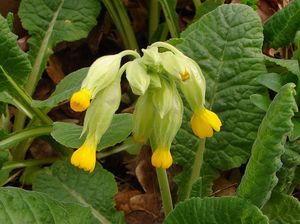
{"x": 161, "y": 158}
{"x": 85, "y": 156}
{"x": 80, "y": 100}
{"x": 204, "y": 121}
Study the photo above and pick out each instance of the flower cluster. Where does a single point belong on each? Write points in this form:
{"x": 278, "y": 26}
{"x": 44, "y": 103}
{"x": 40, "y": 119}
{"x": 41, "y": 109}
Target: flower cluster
{"x": 155, "y": 78}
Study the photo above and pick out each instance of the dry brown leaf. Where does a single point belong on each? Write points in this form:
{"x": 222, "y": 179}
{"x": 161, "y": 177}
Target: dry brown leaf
{"x": 54, "y": 70}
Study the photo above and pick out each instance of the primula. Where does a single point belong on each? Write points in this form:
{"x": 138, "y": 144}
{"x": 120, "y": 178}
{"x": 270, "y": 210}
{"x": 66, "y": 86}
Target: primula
{"x": 97, "y": 119}
{"x": 158, "y": 112}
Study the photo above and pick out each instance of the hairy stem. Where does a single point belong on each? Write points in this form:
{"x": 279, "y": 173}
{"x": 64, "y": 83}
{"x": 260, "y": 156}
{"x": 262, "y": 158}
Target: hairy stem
{"x": 164, "y": 190}
{"x": 196, "y": 168}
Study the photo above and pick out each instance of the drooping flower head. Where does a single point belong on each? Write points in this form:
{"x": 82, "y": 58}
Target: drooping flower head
{"x": 154, "y": 77}
{"x": 97, "y": 119}
{"x": 193, "y": 86}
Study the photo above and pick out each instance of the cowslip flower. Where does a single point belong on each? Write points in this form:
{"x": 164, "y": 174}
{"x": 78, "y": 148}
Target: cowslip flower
{"x": 164, "y": 131}
{"x": 97, "y": 119}
{"x": 193, "y": 86}
{"x": 100, "y": 75}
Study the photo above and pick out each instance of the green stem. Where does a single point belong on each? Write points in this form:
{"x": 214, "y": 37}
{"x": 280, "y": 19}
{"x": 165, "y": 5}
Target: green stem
{"x": 154, "y": 11}
{"x": 26, "y": 163}
{"x": 174, "y": 31}
{"x": 164, "y": 190}
{"x": 197, "y": 4}
{"x": 121, "y": 20}
{"x": 125, "y": 21}
{"x": 196, "y": 168}
{"x": 115, "y": 150}
{"x": 26, "y": 99}
{"x": 24, "y": 134}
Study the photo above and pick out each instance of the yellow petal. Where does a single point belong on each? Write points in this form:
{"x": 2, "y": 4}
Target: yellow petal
{"x": 162, "y": 158}
{"x": 213, "y": 120}
{"x": 201, "y": 127}
{"x": 80, "y": 100}
{"x": 85, "y": 156}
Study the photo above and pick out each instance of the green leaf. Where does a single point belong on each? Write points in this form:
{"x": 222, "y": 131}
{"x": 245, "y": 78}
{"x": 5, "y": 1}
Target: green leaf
{"x": 290, "y": 64}
{"x": 206, "y": 7}
{"x": 295, "y": 134}
{"x": 64, "y": 90}
{"x": 272, "y": 81}
{"x": 49, "y": 23}
{"x": 281, "y": 28}
{"x": 68, "y": 134}
{"x": 10, "y": 21}
{"x": 18, "y": 206}
{"x": 202, "y": 187}
{"x": 286, "y": 175}
{"x": 13, "y": 61}
{"x": 251, "y": 3}
{"x": 260, "y": 175}
{"x": 282, "y": 209}
{"x": 261, "y": 101}
{"x": 18, "y": 136}
{"x": 225, "y": 210}
{"x": 69, "y": 184}
{"x": 169, "y": 9}
{"x": 226, "y": 43}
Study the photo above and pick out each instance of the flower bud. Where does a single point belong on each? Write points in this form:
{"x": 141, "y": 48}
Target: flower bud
{"x": 151, "y": 56}
{"x": 137, "y": 77}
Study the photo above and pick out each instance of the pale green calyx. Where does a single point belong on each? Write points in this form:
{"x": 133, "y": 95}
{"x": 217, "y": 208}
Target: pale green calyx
{"x": 102, "y": 73}
{"x": 137, "y": 77}
{"x": 165, "y": 128}
{"x": 143, "y": 118}
{"x": 99, "y": 115}
{"x": 162, "y": 97}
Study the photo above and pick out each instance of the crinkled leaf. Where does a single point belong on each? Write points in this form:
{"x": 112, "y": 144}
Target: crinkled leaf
{"x": 226, "y": 43}
{"x": 280, "y": 29}
{"x": 64, "y": 89}
{"x": 225, "y": 210}
{"x": 260, "y": 175}
{"x": 282, "y": 209}
{"x": 18, "y": 206}
{"x": 286, "y": 175}
{"x": 51, "y": 22}
{"x": 68, "y": 134}
{"x": 14, "y": 64}
{"x": 70, "y": 184}
{"x": 230, "y": 57}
